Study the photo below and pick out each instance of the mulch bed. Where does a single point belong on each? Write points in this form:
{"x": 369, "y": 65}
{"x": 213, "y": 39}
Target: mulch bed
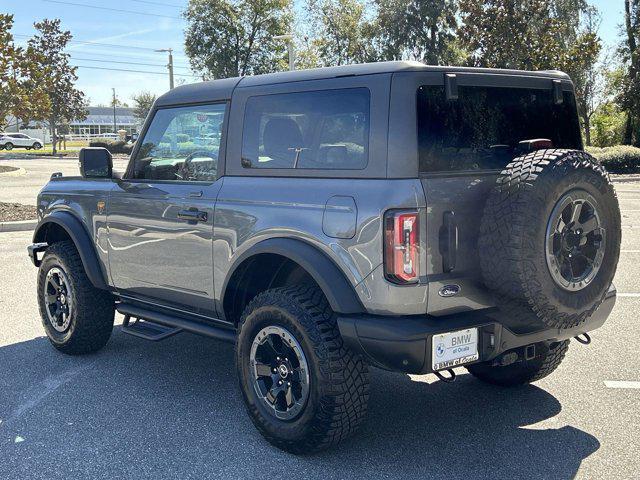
{"x": 13, "y": 212}
{"x": 7, "y": 168}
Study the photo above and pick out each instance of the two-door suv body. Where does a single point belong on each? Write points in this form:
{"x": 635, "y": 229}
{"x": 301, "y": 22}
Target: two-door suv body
{"x": 409, "y": 217}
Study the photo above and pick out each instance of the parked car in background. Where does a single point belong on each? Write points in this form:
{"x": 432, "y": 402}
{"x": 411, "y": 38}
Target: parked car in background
{"x": 9, "y": 141}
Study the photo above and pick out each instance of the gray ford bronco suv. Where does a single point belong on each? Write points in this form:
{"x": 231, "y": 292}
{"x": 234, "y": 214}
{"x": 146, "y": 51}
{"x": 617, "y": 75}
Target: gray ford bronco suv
{"x": 396, "y": 215}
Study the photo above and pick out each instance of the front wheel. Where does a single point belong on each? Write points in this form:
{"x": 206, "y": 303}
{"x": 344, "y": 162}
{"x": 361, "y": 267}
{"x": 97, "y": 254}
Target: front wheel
{"x": 37, "y": 146}
{"x": 303, "y": 389}
{"x": 526, "y": 371}
{"x": 77, "y": 317}
{"x": 8, "y": 146}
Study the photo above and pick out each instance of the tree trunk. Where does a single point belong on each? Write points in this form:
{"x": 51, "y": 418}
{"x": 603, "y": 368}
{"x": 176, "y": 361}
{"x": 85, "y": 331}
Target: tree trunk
{"x": 52, "y": 128}
{"x": 628, "y": 130}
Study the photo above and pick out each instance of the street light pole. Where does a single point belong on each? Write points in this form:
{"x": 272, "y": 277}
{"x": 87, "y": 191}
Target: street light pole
{"x": 290, "y": 47}
{"x": 115, "y": 128}
{"x": 169, "y": 65}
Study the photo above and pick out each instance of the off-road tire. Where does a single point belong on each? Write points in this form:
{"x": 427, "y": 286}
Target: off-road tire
{"x": 339, "y": 378}
{"x": 513, "y": 231}
{"x": 524, "y": 372}
{"x": 93, "y": 309}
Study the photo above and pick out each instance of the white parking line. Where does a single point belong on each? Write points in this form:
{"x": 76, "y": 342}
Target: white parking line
{"x": 621, "y": 384}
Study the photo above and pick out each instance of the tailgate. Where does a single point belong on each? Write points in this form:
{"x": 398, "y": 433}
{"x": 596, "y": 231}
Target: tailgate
{"x": 454, "y": 210}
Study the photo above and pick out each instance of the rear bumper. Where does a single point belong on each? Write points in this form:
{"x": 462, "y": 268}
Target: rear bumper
{"x": 404, "y": 343}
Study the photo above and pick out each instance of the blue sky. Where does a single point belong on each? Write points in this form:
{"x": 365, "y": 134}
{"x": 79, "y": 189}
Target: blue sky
{"x": 156, "y": 24}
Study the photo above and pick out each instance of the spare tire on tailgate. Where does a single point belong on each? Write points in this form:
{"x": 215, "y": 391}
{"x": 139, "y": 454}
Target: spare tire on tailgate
{"x": 550, "y": 236}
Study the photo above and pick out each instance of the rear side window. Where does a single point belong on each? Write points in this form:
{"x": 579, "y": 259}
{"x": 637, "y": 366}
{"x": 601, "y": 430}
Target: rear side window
{"x": 483, "y": 127}
{"x": 326, "y": 129}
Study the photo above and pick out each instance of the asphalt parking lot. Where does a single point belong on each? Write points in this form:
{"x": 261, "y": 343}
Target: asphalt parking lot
{"x": 172, "y": 409}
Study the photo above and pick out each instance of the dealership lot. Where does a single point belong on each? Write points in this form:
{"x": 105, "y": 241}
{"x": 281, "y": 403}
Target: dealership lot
{"x": 172, "y": 409}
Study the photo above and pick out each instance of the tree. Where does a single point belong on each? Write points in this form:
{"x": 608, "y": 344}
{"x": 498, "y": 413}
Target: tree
{"x": 56, "y": 75}
{"x": 229, "y": 38}
{"x": 342, "y": 33}
{"x": 418, "y": 30}
{"x": 543, "y": 35}
{"x": 17, "y": 100}
{"x": 629, "y": 97}
{"x": 142, "y": 103}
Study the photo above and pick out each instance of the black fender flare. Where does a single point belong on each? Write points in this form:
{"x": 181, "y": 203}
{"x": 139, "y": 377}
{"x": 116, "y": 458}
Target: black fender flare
{"x": 81, "y": 239}
{"x": 339, "y": 292}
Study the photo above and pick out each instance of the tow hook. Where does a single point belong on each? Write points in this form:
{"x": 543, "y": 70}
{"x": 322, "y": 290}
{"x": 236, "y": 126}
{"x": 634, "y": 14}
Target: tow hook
{"x": 448, "y": 379}
{"x": 583, "y": 338}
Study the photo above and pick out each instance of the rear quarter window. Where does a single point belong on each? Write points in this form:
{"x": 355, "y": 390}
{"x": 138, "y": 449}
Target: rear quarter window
{"x": 481, "y": 130}
{"x": 326, "y": 129}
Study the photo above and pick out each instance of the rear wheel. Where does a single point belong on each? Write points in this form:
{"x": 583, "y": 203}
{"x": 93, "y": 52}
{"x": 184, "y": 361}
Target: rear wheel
{"x": 77, "y": 317}
{"x": 8, "y": 146}
{"x": 303, "y": 389}
{"x": 526, "y": 371}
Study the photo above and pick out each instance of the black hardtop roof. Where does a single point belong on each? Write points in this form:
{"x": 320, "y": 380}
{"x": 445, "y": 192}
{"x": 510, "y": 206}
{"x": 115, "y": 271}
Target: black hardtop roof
{"x": 222, "y": 89}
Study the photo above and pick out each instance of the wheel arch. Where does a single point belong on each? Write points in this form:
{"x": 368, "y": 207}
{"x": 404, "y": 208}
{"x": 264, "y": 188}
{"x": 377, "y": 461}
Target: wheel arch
{"x": 60, "y": 226}
{"x": 295, "y": 253}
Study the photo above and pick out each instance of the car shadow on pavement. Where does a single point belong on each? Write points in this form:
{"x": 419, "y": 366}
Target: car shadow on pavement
{"x": 172, "y": 410}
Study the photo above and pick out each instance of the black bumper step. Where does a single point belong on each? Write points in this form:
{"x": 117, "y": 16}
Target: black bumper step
{"x": 147, "y": 330}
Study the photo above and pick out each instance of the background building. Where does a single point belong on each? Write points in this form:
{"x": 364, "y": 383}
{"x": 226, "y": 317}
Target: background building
{"x": 100, "y": 120}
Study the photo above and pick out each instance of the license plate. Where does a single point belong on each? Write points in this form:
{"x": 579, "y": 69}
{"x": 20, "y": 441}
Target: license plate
{"x": 451, "y": 349}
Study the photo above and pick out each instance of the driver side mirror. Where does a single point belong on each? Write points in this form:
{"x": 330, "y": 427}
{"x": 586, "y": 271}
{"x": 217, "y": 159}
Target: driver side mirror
{"x": 96, "y": 162}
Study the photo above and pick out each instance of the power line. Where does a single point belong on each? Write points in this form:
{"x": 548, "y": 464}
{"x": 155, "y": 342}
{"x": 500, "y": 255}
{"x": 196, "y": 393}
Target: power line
{"x": 135, "y": 71}
{"x": 125, "y": 63}
{"x": 112, "y": 9}
{"x": 88, "y": 42}
{"x": 160, "y": 3}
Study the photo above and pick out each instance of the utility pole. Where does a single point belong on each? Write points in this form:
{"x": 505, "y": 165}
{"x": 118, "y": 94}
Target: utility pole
{"x": 115, "y": 128}
{"x": 169, "y": 65}
{"x": 290, "y": 47}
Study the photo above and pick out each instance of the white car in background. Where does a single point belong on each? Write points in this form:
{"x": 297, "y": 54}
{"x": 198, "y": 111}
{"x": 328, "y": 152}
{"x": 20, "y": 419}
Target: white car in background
{"x": 9, "y": 141}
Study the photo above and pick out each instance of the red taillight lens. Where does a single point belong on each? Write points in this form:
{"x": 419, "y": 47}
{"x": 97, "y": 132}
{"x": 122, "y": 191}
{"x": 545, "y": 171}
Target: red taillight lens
{"x": 401, "y": 247}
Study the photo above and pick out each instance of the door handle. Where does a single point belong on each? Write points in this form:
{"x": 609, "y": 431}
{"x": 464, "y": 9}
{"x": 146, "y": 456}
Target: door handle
{"x": 448, "y": 241}
{"x": 193, "y": 215}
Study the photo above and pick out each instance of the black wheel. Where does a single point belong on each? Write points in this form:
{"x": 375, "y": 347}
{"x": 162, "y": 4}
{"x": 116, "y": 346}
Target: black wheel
{"x": 37, "y": 146}
{"x": 550, "y": 236}
{"x": 303, "y": 390}
{"x": 526, "y": 371}
{"x": 77, "y": 317}
{"x": 27, "y": 148}
{"x": 8, "y": 146}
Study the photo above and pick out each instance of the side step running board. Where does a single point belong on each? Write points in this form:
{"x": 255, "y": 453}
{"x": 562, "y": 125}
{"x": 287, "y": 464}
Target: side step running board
{"x": 174, "y": 323}
{"x": 147, "y": 330}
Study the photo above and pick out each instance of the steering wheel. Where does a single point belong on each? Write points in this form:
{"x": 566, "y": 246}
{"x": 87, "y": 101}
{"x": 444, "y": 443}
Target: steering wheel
{"x": 184, "y": 172}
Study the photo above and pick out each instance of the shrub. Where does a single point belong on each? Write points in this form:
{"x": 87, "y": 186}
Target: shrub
{"x": 114, "y": 146}
{"x": 182, "y": 138}
{"x": 618, "y": 159}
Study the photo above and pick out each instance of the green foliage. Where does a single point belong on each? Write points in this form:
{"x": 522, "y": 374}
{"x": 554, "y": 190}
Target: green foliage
{"x": 342, "y": 33}
{"x": 628, "y": 96}
{"x": 228, "y": 38}
{"x": 618, "y": 159}
{"x": 418, "y": 30}
{"x": 182, "y": 137}
{"x": 142, "y": 103}
{"x": 114, "y": 146}
{"x": 19, "y": 97}
{"x": 607, "y": 125}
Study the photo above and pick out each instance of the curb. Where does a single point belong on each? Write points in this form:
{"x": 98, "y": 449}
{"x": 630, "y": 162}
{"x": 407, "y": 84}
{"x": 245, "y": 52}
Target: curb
{"x": 626, "y": 178}
{"x": 14, "y": 173}
{"x": 22, "y": 226}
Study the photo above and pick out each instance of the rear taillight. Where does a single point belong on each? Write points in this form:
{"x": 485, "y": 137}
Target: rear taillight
{"x": 401, "y": 247}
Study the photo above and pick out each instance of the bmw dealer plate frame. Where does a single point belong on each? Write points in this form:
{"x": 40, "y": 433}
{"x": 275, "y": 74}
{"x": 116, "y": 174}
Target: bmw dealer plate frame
{"x": 451, "y": 349}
